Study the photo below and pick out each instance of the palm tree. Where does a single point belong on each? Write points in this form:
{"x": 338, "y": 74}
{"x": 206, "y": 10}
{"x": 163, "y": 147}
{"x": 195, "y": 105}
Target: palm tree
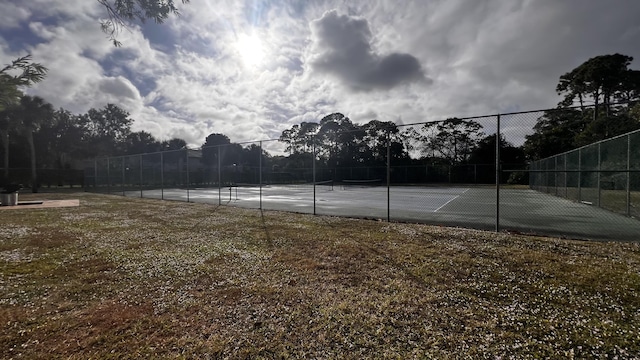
{"x": 10, "y": 95}
{"x": 31, "y": 73}
{"x": 9, "y": 125}
{"x": 5, "y": 125}
{"x": 33, "y": 112}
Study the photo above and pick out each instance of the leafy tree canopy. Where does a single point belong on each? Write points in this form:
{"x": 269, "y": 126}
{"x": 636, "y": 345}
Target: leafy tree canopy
{"x": 453, "y": 139}
{"x": 600, "y": 79}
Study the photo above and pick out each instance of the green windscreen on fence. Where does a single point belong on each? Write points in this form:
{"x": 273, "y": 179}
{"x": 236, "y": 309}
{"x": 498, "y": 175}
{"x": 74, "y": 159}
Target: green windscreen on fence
{"x": 613, "y": 174}
{"x": 634, "y": 175}
{"x": 604, "y": 174}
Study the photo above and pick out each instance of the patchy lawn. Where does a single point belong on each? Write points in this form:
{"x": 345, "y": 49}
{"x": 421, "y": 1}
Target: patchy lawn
{"x": 134, "y": 278}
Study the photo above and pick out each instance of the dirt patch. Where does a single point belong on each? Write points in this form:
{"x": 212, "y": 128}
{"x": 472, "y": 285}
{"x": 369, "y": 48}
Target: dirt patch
{"x": 45, "y": 204}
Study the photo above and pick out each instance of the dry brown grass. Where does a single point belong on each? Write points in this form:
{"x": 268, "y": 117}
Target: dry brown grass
{"x": 132, "y": 278}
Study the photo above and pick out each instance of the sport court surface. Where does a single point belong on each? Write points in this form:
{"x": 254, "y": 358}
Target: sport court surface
{"x": 521, "y": 210}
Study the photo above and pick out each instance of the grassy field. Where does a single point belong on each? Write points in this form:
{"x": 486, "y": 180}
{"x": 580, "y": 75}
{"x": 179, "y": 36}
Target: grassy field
{"x": 133, "y": 278}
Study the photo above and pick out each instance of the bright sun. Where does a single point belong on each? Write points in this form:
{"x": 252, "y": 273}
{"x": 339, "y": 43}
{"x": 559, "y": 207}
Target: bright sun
{"x": 250, "y": 49}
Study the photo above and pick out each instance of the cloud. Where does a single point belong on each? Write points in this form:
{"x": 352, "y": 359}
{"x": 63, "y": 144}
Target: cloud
{"x": 12, "y": 15}
{"x": 186, "y": 77}
{"x": 342, "y": 46}
{"x": 119, "y": 88}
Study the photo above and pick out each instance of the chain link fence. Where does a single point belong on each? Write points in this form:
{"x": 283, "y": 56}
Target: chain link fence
{"x": 468, "y": 172}
{"x": 605, "y": 174}
{"x": 46, "y": 178}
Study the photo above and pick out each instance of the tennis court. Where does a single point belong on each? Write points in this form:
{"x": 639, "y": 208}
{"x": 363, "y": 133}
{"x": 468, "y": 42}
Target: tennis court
{"x": 520, "y": 210}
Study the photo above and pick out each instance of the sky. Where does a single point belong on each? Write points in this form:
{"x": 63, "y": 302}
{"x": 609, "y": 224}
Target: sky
{"x": 252, "y": 68}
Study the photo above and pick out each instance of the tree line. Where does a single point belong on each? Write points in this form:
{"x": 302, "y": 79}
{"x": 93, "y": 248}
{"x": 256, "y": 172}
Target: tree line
{"x": 17, "y": 116}
{"x": 600, "y": 100}
{"x": 36, "y": 136}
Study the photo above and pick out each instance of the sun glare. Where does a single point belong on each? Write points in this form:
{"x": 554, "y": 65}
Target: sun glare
{"x": 251, "y": 50}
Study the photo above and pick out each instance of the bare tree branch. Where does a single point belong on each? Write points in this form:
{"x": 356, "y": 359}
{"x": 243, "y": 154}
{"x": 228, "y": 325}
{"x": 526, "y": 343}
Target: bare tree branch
{"x": 120, "y": 14}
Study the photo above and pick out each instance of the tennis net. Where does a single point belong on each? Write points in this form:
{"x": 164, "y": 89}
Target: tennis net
{"x": 361, "y": 183}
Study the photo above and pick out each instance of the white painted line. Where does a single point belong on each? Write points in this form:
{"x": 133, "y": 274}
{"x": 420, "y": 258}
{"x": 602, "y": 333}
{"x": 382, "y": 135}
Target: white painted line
{"x": 445, "y": 204}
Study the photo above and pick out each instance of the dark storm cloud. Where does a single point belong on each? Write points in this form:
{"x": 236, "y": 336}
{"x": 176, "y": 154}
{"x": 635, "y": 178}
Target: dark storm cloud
{"x": 342, "y": 47}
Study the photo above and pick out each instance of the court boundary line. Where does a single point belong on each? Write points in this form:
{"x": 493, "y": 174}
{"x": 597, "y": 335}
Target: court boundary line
{"x": 445, "y": 204}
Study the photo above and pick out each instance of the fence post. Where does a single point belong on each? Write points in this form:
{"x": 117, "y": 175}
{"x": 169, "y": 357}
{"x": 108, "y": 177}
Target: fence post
{"x": 141, "y": 175}
{"x": 498, "y": 174}
{"x": 580, "y": 175}
{"x": 566, "y": 177}
{"x": 123, "y": 175}
{"x": 219, "y": 179}
{"x": 109, "y": 178}
{"x": 313, "y": 170}
{"x": 388, "y": 180}
{"x": 555, "y": 176}
{"x": 162, "y": 175}
{"x": 186, "y": 150}
{"x": 260, "y": 174}
{"x": 628, "y": 175}
{"x": 547, "y": 171}
{"x": 599, "y": 168}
